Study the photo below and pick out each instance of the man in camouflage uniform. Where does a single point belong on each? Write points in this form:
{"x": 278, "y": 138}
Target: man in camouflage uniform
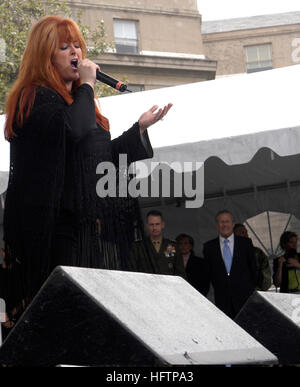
{"x": 264, "y": 276}
{"x": 156, "y": 254}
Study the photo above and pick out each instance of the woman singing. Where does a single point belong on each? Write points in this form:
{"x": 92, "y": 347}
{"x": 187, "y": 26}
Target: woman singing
{"x": 58, "y": 136}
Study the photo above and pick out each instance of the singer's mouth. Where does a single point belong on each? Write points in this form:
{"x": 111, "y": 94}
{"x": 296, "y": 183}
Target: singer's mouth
{"x": 74, "y": 63}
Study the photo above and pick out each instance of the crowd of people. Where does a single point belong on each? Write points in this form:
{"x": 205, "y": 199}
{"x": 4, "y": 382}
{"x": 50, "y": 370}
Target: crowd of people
{"x": 230, "y": 263}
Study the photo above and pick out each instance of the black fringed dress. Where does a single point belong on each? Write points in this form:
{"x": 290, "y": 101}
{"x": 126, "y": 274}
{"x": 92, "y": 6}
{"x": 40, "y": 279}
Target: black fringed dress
{"x": 53, "y": 215}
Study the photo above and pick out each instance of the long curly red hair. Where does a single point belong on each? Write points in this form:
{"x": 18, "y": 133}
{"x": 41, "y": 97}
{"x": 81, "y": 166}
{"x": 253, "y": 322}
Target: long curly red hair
{"x": 37, "y": 69}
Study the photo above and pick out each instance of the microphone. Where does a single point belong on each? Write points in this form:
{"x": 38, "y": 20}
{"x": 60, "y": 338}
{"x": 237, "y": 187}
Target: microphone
{"x": 118, "y": 85}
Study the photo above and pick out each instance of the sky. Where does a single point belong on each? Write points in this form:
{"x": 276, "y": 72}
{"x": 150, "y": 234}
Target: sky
{"x": 227, "y": 9}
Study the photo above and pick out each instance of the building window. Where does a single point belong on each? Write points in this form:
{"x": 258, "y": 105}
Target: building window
{"x": 259, "y": 58}
{"x": 126, "y": 36}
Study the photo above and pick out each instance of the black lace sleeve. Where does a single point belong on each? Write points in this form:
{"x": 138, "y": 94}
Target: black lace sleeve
{"x": 81, "y": 115}
{"x": 133, "y": 144}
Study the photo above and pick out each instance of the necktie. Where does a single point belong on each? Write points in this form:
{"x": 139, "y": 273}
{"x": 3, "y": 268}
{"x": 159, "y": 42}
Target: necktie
{"x": 156, "y": 245}
{"x": 227, "y": 256}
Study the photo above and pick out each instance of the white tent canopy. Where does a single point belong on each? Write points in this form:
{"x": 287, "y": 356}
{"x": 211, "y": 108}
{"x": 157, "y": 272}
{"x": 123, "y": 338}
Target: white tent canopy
{"x": 244, "y": 127}
{"x": 230, "y": 118}
{"x": 246, "y": 130}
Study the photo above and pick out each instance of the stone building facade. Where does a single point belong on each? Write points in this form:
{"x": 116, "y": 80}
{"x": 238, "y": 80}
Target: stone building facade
{"x": 158, "y": 43}
{"x": 253, "y": 44}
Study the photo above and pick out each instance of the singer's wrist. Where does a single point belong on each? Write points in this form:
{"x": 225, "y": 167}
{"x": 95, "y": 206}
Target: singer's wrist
{"x": 88, "y": 83}
{"x": 142, "y": 127}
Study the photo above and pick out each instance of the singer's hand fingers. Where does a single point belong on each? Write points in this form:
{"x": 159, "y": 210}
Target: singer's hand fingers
{"x": 158, "y": 114}
{"x": 152, "y": 110}
{"x": 87, "y": 71}
{"x": 162, "y": 112}
{"x": 88, "y": 64}
{"x": 168, "y": 107}
{"x": 152, "y": 116}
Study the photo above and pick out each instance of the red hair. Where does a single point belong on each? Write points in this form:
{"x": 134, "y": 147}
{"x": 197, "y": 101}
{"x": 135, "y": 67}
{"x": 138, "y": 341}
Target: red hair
{"x": 37, "y": 69}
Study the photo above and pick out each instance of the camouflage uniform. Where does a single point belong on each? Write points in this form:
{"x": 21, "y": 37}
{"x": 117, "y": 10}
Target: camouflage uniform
{"x": 144, "y": 258}
{"x": 264, "y": 276}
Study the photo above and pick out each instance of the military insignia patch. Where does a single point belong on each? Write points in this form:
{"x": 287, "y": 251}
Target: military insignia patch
{"x": 170, "y": 251}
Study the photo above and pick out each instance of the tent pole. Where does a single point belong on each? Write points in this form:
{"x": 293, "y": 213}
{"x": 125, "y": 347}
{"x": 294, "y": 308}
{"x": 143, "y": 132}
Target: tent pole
{"x": 270, "y": 232}
{"x": 258, "y": 238}
{"x": 285, "y": 228}
{"x": 2, "y": 200}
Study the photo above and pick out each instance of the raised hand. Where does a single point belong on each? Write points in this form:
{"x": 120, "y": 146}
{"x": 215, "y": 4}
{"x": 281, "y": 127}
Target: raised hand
{"x": 151, "y": 116}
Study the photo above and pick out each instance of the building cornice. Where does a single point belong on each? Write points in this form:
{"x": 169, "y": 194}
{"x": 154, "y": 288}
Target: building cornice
{"x": 155, "y": 62}
{"x": 250, "y": 33}
{"x": 136, "y": 9}
{"x": 252, "y": 22}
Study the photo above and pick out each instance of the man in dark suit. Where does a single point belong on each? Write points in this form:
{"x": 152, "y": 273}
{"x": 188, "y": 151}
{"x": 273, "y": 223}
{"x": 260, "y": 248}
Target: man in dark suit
{"x": 229, "y": 266}
{"x": 156, "y": 254}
